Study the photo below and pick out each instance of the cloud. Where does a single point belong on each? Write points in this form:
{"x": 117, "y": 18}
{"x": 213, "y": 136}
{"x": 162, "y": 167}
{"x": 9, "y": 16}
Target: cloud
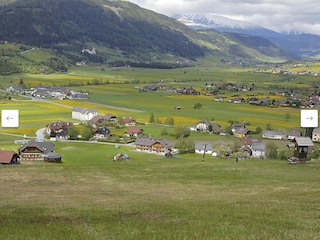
{"x": 284, "y": 15}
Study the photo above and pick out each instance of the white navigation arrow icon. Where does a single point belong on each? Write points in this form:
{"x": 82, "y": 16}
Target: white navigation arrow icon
{"x": 309, "y": 118}
{"x": 9, "y": 118}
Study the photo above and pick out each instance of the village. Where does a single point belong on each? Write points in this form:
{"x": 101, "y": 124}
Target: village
{"x": 101, "y": 126}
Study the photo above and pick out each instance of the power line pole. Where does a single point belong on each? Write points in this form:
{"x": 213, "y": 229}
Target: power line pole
{"x": 204, "y": 151}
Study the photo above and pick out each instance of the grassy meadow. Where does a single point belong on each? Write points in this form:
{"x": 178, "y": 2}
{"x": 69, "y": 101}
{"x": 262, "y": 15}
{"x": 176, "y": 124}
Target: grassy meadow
{"x": 89, "y": 196}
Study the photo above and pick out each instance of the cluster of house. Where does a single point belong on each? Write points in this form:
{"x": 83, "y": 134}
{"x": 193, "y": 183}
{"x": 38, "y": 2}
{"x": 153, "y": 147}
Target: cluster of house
{"x": 48, "y": 92}
{"x": 59, "y": 130}
{"x": 254, "y": 147}
{"x": 240, "y": 130}
{"x": 31, "y": 150}
{"x": 214, "y": 89}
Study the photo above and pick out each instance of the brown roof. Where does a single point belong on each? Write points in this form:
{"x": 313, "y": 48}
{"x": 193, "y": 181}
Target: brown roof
{"x": 6, "y": 156}
{"x": 58, "y": 125}
{"x": 128, "y": 120}
{"x": 134, "y": 129}
{"x": 44, "y": 147}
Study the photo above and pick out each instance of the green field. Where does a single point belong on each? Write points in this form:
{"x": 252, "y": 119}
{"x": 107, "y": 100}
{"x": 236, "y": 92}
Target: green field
{"x": 89, "y": 196}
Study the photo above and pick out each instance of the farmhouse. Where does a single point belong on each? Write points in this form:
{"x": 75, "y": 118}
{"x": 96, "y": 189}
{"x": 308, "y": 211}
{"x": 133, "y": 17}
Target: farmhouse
{"x": 294, "y": 133}
{"x": 258, "y": 150}
{"x": 128, "y": 121}
{"x": 270, "y": 134}
{"x": 202, "y": 126}
{"x": 33, "y": 150}
{"x": 151, "y": 145}
{"x": 202, "y": 148}
{"x": 236, "y": 100}
{"x": 83, "y": 114}
{"x": 58, "y": 130}
{"x": 8, "y": 157}
{"x": 239, "y": 130}
{"x": 134, "y": 131}
{"x": 101, "y": 133}
{"x": 316, "y": 135}
{"x": 110, "y": 118}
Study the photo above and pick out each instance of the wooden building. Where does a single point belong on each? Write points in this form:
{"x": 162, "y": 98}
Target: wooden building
{"x": 8, "y": 157}
{"x": 302, "y": 146}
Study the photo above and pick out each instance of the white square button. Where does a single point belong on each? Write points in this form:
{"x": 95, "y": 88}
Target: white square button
{"x": 309, "y": 118}
{"x": 9, "y": 118}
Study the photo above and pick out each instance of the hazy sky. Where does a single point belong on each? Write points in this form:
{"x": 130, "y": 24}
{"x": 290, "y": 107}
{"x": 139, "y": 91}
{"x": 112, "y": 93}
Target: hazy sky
{"x": 278, "y": 15}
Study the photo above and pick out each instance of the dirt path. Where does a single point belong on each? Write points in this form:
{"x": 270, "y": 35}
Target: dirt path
{"x": 117, "y": 108}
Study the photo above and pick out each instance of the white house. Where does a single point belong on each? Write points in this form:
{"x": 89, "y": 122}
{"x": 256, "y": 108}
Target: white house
{"x": 316, "y": 135}
{"x": 270, "y": 134}
{"x": 83, "y": 114}
{"x": 258, "y": 150}
{"x": 202, "y": 148}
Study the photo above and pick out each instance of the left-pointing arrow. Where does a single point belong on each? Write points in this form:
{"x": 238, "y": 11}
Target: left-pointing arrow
{"x": 9, "y": 118}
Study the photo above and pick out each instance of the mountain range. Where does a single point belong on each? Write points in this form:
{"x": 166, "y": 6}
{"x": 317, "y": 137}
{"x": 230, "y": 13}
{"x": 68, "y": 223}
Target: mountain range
{"x": 307, "y": 46}
{"x": 120, "y": 33}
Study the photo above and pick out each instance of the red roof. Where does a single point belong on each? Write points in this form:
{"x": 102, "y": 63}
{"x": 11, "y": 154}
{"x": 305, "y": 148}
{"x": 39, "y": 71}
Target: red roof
{"x": 6, "y": 156}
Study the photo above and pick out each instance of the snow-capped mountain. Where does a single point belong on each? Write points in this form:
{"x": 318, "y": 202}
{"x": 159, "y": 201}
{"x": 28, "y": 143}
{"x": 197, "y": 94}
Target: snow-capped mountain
{"x": 305, "y": 45}
{"x": 213, "y": 21}
{"x": 223, "y": 24}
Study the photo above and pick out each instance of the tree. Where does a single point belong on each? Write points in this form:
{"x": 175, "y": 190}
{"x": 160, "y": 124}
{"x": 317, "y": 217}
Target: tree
{"x": 73, "y": 133}
{"x": 157, "y": 121}
{"x": 164, "y": 132}
{"x": 197, "y": 106}
{"x": 120, "y": 122}
{"x": 287, "y": 117}
{"x": 169, "y": 121}
{"x": 182, "y": 132}
{"x": 21, "y": 83}
{"x": 151, "y": 119}
{"x": 86, "y": 133}
{"x": 258, "y": 130}
{"x": 268, "y": 126}
{"x": 185, "y": 145}
{"x": 271, "y": 151}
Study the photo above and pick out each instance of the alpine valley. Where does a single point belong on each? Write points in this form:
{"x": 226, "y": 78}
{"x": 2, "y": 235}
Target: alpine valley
{"x": 117, "y": 33}
{"x": 307, "y": 46}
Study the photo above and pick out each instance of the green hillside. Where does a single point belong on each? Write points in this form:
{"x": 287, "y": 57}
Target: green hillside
{"x": 119, "y": 32}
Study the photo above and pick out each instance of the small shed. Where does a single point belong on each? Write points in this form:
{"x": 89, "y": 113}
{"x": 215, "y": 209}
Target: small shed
{"x": 53, "y": 157}
{"x": 302, "y": 146}
{"x": 8, "y": 157}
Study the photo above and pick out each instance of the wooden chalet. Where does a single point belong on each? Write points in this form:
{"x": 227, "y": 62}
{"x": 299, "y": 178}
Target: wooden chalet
{"x": 33, "y": 150}
{"x": 152, "y": 145}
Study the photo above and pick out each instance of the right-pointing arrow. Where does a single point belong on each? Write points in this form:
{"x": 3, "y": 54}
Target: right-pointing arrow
{"x": 311, "y": 118}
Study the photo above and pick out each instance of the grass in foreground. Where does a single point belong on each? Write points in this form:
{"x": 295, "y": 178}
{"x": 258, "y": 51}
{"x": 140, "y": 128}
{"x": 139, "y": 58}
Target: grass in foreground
{"x": 89, "y": 196}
